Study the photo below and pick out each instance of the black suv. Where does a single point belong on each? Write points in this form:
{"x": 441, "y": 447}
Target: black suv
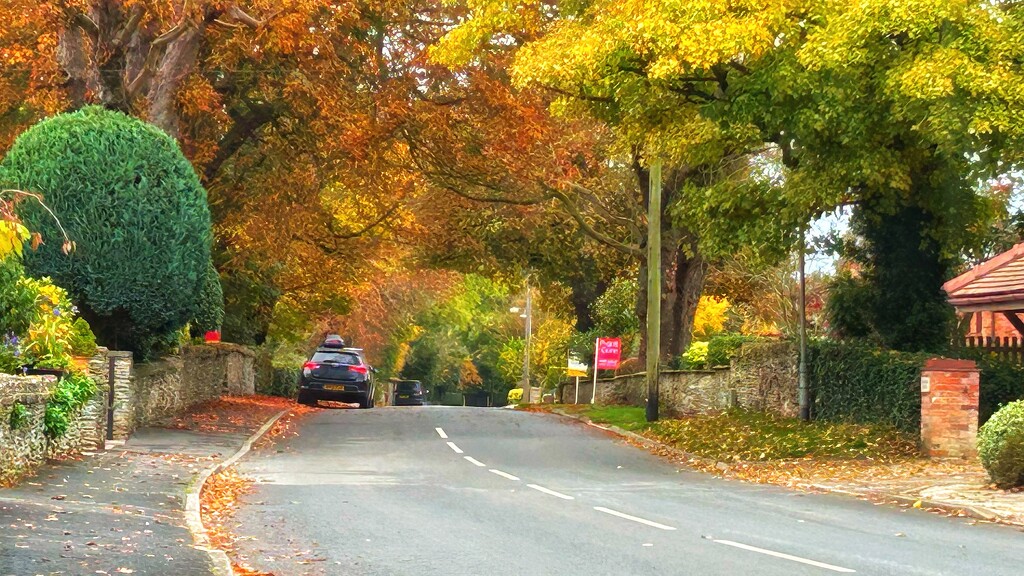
{"x": 336, "y": 373}
{"x": 408, "y": 393}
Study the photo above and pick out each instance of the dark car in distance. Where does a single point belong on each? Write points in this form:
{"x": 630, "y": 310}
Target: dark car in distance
{"x": 336, "y": 373}
{"x": 408, "y": 393}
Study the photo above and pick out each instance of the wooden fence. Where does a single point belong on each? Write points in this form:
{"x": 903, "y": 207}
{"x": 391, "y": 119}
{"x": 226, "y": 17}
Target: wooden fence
{"x": 1008, "y": 349}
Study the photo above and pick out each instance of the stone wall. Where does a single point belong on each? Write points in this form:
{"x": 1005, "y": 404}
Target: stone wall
{"x": 143, "y": 395}
{"x": 763, "y": 376}
{"x": 27, "y": 446}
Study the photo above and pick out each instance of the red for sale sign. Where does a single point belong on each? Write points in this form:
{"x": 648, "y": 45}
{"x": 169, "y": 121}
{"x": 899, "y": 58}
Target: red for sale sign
{"x": 609, "y": 352}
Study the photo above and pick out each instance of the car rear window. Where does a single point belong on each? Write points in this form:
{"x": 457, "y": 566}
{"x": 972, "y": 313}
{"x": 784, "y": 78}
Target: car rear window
{"x": 408, "y": 387}
{"x": 336, "y": 358}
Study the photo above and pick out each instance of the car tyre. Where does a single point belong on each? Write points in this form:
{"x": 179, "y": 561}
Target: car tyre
{"x": 306, "y": 399}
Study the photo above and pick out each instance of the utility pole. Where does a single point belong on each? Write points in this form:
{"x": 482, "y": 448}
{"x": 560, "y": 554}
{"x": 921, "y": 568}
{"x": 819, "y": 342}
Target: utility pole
{"x": 805, "y": 407}
{"x": 526, "y": 348}
{"x": 653, "y": 290}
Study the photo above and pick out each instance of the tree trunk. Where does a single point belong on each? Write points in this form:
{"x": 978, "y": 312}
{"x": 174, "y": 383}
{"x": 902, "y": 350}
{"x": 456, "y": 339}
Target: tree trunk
{"x": 175, "y": 66}
{"x": 683, "y": 273}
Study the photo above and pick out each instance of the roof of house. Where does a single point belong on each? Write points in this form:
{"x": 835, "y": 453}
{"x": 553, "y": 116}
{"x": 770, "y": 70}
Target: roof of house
{"x": 996, "y": 284}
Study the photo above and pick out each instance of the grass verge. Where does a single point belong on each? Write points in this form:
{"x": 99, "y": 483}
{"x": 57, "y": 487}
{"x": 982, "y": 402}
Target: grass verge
{"x": 748, "y": 436}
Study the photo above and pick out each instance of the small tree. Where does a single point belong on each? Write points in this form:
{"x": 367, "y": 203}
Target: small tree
{"x": 134, "y": 207}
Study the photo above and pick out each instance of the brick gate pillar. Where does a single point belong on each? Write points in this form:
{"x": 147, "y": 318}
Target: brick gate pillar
{"x": 949, "y": 408}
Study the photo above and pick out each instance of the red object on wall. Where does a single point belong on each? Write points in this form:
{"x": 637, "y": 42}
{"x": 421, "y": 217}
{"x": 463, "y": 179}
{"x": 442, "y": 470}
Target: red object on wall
{"x": 213, "y": 336}
{"x": 609, "y": 351}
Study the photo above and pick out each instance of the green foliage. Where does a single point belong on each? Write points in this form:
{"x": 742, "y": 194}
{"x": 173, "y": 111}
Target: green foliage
{"x": 614, "y": 314}
{"x": 71, "y": 393}
{"x": 848, "y": 306}
{"x": 135, "y": 208}
{"x": 856, "y": 382}
{"x": 17, "y": 300}
{"x": 18, "y": 416}
{"x": 250, "y": 295}
{"x": 695, "y": 357}
{"x": 284, "y": 382}
{"x": 723, "y": 347}
{"x": 1000, "y": 383}
{"x": 210, "y": 308}
{"x": 1001, "y": 446}
{"x": 82, "y": 340}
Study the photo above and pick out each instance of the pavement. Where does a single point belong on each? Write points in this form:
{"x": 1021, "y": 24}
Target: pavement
{"x": 452, "y": 491}
{"x": 114, "y": 512}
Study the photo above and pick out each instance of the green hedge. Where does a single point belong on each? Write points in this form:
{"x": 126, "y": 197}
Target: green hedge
{"x": 133, "y": 205}
{"x": 855, "y": 382}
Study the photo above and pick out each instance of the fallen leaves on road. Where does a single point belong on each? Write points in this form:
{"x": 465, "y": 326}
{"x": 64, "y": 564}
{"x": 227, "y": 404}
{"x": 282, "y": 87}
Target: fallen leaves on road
{"x": 217, "y": 503}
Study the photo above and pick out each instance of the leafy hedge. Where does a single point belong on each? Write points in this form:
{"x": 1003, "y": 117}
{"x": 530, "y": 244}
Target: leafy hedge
{"x": 856, "y": 382}
{"x": 133, "y": 205}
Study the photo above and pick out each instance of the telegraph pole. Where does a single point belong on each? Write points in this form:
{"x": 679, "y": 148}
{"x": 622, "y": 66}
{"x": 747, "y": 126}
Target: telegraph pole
{"x": 805, "y": 407}
{"x": 526, "y": 348}
{"x": 653, "y": 289}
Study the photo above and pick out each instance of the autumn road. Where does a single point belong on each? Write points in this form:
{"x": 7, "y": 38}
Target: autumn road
{"x": 461, "y": 491}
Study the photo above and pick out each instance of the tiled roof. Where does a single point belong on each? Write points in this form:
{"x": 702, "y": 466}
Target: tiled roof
{"x": 995, "y": 284}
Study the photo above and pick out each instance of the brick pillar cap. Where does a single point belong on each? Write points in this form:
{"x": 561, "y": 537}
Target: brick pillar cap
{"x": 950, "y": 365}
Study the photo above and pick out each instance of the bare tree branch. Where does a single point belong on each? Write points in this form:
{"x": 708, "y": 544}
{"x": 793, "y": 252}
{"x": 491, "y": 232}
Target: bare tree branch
{"x": 589, "y": 230}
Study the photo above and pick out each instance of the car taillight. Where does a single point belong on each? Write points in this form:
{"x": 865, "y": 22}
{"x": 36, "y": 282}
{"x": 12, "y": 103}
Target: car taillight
{"x": 310, "y": 366}
{"x": 359, "y": 369}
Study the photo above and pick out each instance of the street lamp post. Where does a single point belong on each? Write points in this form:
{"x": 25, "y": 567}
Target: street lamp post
{"x": 528, "y": 315}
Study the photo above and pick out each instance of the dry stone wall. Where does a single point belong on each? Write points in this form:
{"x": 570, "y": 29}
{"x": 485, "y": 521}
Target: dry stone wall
{"x": 143, "y": 395}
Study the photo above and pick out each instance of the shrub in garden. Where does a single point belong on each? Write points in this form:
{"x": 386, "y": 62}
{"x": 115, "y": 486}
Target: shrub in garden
{"x": 695, "y": 357}
{"x": 71, "y": 393}
{"x": 723, "y": 347}
{"x": 82, "y": 341}
{"x": 1001, "y": 445}
{"x": 134, "y": 207}
{"x": 210, "y": 307}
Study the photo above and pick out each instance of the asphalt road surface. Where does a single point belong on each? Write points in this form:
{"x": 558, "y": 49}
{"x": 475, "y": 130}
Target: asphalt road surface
{"x": 477, "y": 491}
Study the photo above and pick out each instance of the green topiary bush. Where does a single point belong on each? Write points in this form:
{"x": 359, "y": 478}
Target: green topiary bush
{"x": 133, "y": 205}
{"x": 1001, "y": 445}
{"x": 210, "y": 313}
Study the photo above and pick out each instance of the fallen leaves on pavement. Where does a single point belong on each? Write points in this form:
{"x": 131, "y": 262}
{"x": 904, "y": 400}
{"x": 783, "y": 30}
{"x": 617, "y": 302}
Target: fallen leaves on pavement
{"x": 233, "y": 413}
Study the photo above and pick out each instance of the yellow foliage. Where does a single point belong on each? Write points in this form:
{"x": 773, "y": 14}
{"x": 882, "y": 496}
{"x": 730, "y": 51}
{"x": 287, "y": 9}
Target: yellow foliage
{"x": 12, "y": 237}
{"x": 710, "y": 315}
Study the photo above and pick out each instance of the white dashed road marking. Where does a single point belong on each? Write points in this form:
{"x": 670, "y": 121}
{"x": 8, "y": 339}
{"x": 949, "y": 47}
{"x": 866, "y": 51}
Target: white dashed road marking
{"x": 441, "y": 433}
{"x": 474, "y": 461}
{"x": 454, "y": 447}
{"x": 784, "y": 556}
{"x": 633, "y": 518}
{"x": 504, "y": 474}
{"x": 551, "y": 492}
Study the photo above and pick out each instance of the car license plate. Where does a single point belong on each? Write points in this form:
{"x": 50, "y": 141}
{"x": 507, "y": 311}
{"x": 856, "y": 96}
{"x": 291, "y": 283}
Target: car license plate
{"x": 334, "y": 387}
{"x": 403, "y": 395}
